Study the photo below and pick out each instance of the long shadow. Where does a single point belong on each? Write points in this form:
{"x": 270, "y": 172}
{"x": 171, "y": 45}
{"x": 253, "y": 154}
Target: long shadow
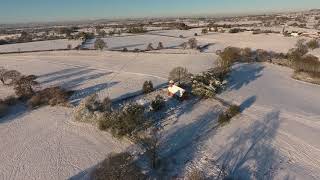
{"x": 66, "y": 76}
{"x": 83, "y": 93}
{"x": 181, "y": 145}
{"x": 205, "y": 47}
{"x": 243, "y": 74}
{"x": 64, "y": 71}
{"x": 125, "y": 46}
{"x": 15, "y": 112}
{"x": 80, "y": 80}
{"x": 248, "y": 103}
{"x": 250, "y": 148}
{"x": 165, "y": 35}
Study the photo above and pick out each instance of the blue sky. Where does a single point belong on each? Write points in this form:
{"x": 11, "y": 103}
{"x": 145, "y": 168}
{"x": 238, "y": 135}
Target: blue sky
{"x": 12, "y": 11}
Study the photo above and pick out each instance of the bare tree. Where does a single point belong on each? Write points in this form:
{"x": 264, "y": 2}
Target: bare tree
{"x": 179, "y": 74}
{"x": 160, "y": 45}
{"x": 149, "y": 47}
{"x": 193, "y": 43}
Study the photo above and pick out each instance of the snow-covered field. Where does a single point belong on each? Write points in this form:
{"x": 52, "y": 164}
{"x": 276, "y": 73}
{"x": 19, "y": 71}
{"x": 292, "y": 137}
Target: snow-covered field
{"x": 275, "y": 137}
{"x": 46, "y": 143}
{"x": 170, "y": 39}
{"x": 40, "y": 45}
{"x": 271, "y": 42}
{"x": 280, "y": 125}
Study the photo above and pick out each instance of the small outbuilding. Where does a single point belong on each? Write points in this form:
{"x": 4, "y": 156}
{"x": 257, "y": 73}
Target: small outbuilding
{"x": 174, "y": 90}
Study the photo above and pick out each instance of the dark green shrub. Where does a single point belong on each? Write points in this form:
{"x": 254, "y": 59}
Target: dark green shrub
{"x": 158, "y": 103}
{"x": 129, "y": 119}
{"x": 147, "y": 87}
{"x": 124, "y": 122}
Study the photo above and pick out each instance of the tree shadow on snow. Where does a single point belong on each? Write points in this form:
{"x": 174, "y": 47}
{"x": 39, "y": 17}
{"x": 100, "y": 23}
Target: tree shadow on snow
{"x": 243, "y": 74}
{"x": 60, "y": 72}
{"x": 182, "y": 144}
{"x": 125, "y": 46}
{"x": 15, "y": 112}
{"x": 63, "y": 76}
{"x": 78, "y": 95}
{"x": 73, "y": 83}
{"x": 248, "y": 103}
{"x": 250, "y": 154}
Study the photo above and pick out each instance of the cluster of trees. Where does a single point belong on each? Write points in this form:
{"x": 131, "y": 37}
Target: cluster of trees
{"x": 136, "y": 30}
{"x": 192, "y": 44}
{"x": 205, "y": 85}
{"x": 91, "y": 109}
{"x": 25, "y": 91}
{"x": 209, "y": 83}
{"x": 126, "y": 121}
{"x": 301, "y": 60}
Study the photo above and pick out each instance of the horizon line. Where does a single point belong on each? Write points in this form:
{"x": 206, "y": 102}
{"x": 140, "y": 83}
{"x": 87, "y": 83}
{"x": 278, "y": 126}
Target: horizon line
{"x": 201, "y": 15}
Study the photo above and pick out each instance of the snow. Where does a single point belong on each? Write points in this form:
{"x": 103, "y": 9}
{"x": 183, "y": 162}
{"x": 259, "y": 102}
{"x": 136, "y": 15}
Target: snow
{"x": 132, "y": 42}
{"x": 46, "y": 143}
{"x": 39, "y": 45}
{"x": 271, "y": 42}
{"x": 275, "y": 136}
{"x": 280, "y": 111}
